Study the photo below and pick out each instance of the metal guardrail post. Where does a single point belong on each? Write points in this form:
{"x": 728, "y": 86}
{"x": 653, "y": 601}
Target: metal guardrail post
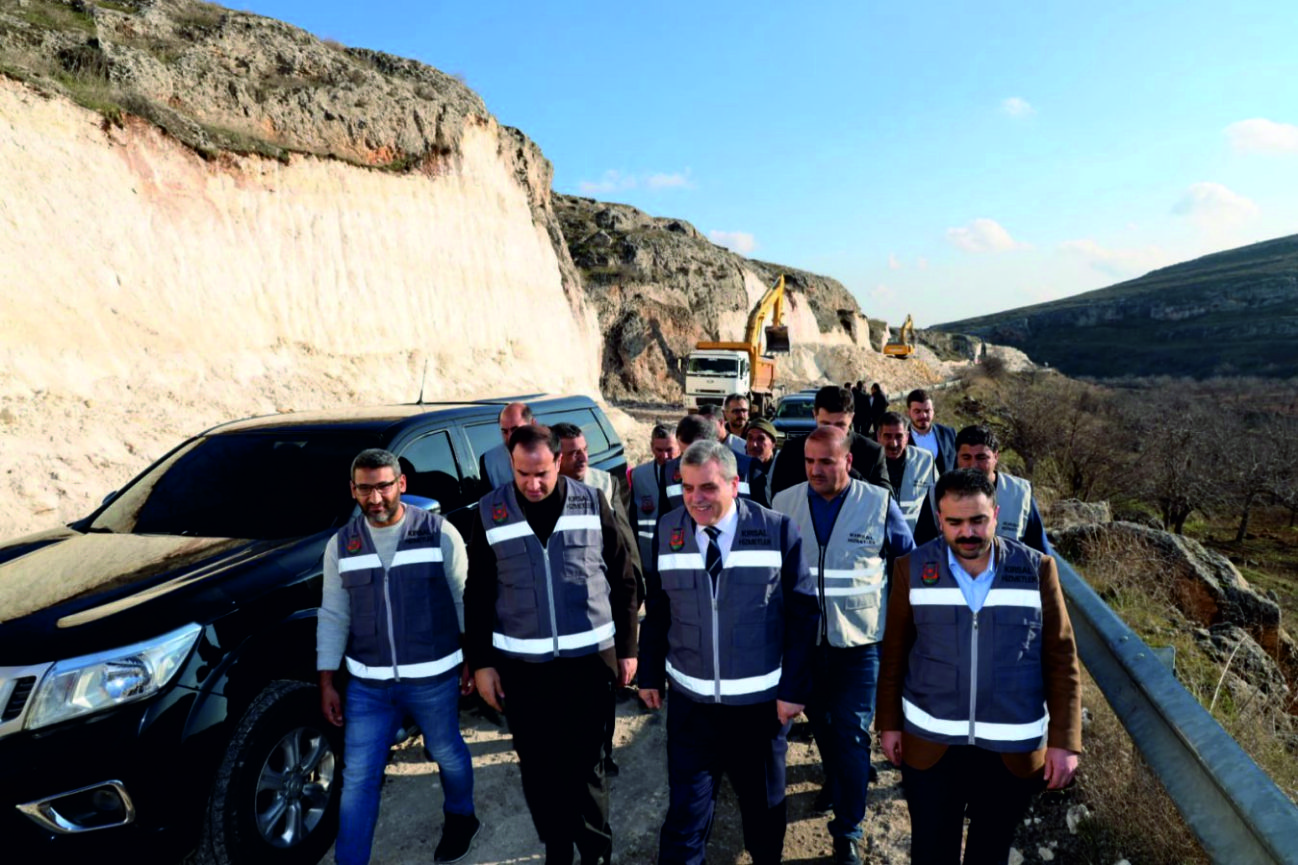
{"x": 1236, "y": 810}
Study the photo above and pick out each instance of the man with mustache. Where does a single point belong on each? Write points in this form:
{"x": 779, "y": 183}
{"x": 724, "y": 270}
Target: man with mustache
{"x": 979, "y": 688}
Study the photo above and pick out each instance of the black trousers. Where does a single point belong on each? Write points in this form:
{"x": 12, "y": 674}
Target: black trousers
{"x": 749, "y": 744}
{"x": 557, "y": 712}
{"x": 967, "y": 781}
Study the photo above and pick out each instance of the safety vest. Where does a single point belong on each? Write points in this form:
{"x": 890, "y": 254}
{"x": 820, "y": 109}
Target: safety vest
{"x": 1014, "y": 500}
{"x": 553, "y": 600}
{"x": 499, "y": 466}
{"x": 976, "y": 678}
{"x": 676, "y": 495}
{"x": 724, "y": 645}
{"x": 403, "y": 621}
{"x": 602, "y": 481}
{"x": 849, "y": 570}
{"x": 644, "y": 505}
{"x": 917, "y": 478}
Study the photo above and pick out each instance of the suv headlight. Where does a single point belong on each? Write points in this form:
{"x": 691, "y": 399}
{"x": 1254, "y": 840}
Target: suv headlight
{"x": 80, "y": 686}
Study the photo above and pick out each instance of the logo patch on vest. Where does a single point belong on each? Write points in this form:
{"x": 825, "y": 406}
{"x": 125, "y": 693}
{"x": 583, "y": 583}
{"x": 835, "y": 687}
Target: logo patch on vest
{"x": 861, "y": 538}
{"x": 1018, "y": 575}
{"x": 929, "y": 574}
{"x": 499, "y": 514}
{"x": 353, "y": 543}
{"x": 647, "y": 504}
{"x": 676, "y": 475}
{"x": 677, "y": 540}
{"x": 753, "y": 538}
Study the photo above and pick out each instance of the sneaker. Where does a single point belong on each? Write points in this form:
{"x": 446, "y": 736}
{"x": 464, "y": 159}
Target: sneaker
{"x": 845, "y": 852}
{"x": 457, "y": 837}
{"x": 611, "y": 769}
{"x": 824, "y": 803}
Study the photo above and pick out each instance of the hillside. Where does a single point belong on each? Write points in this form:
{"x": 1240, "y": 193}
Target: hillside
{"x": 1230, "y": 313}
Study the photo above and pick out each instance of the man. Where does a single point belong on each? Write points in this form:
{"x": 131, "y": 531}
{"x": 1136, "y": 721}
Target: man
{"x": 1020, "y": 519}
{"x": 494, "y": 467}
{"x": 736, "y": 416}
{"x": 731, "y": 619}
{"x": 910, "y": 469}
{"x": 833, "y": 406}
{"x": 551, "y": 619}
{"x": 860, "y": 409}
{"x": 717, "y": 415}
{"x": 392, "y": 607}
{"x": 645, "y": 486}
{"x": 759, "y": 443}
{"x": 696, "y": 428}
{"x": 979, "y": 691}
{"x": 937, "y": 439}
{"x": 850, "y": 532}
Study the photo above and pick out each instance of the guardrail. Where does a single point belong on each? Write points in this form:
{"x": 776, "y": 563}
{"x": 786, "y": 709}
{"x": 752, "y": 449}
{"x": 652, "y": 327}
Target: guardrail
{"x": 1236, "y": 810}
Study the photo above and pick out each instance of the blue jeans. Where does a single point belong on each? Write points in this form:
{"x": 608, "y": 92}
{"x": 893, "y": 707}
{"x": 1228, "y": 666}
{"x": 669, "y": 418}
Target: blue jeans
{"x": 841, "y": 709}
{"x": 372, "y": 714}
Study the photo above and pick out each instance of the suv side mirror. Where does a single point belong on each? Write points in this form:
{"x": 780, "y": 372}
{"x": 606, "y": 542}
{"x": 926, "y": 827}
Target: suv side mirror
{"x": 422, "y": 502}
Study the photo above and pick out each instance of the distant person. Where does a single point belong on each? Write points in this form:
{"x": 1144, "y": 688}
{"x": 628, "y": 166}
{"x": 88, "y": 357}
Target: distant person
{"x": 760, "y": 444}
{"x": 911, "y": 470}
{"x": 833, "y": 406}
{"x": 878, "y": 406}
{"x": 695, "y": 428}
{"x": 979, "y": 688}
{"x": 736, "y": 415}
{"x": 937, "y": 439}
{"x": 493, "y": 466}
{"x": 646, "y": 484}
{"x": 717, "y": 415}
{"x": 730, "y": 575}
{"x": 401, "y": 648}
{"x": 860, "y": 409}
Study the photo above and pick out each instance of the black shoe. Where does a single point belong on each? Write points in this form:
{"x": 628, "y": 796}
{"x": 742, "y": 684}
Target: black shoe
{"x": 845, "y": 852}
{"x": 611, "y": 769}
{"x": 874, "y": 775}
{"x": 457, "y": 837}
{"x": 824, "y": 803}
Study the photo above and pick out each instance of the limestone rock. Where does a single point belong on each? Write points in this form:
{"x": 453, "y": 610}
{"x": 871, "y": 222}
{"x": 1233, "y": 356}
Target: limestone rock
{"x": 1067, "y": 513}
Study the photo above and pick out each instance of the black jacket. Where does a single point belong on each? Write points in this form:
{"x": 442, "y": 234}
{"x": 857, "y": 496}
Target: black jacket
{"x": 867, "y": 460}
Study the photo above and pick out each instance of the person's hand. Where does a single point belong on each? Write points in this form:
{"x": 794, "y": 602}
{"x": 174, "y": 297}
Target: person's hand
{"x": 651, "y": 697}
{"x": 487, "y": 681}
{"x": 625, "y": 671}
{"x": 891, "y": 742}
{"x": 787, "y": 711}
{"x": 1061, "y": 765}
{"x": 467, "y": 683}
{"x": 331, "y": 704}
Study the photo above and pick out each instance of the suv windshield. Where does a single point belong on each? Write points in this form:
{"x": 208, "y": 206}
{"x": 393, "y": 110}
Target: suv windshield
{"x": 799, "y": 408}
{"x": 713, "y": 365}
{"x": 261, "y": 486}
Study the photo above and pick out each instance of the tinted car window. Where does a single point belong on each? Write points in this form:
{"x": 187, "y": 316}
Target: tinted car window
{"x": 432, "y": 471}
{"x": 482, "y": 438}
{"x": 242, "y": 485}
{"x": 795, "y": 409}
{"x": 596, "y": 441}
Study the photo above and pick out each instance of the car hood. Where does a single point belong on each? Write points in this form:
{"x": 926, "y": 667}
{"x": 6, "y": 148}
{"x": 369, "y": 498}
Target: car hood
{"x": 56, "y": 569}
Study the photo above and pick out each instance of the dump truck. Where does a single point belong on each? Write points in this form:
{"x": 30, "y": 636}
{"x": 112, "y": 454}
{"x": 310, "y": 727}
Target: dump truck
{"x": 716, "y": 369}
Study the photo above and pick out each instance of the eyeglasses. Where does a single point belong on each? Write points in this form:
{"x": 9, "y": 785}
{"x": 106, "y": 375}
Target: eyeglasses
{"x": 364, "y": 490}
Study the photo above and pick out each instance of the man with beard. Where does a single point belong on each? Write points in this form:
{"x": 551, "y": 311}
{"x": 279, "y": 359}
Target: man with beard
{"x": 392, "y": 609}
{"x": 834, "y": 407}
{"x": 979, "y": 689}
{"x": 936, "y": 438}
{"x": 910, "y": 469}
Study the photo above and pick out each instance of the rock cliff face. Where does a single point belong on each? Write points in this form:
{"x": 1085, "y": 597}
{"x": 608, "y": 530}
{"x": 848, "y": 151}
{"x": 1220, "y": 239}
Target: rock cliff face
{"x": 1231, "y": 313}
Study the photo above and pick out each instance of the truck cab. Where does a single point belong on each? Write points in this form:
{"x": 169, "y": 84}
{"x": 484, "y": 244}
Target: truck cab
{"x": 712, "y": 375}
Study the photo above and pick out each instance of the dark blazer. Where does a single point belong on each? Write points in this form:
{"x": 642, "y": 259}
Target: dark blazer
{"x": 945, "y": 447}
{"x": 867, "y": 460}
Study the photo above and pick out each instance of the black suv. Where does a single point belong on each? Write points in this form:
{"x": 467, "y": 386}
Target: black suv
{"x": 157, "y": 658}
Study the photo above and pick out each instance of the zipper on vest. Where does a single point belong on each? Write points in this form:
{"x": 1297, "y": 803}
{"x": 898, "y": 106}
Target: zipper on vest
{"x": 823, "y": 635}
{"x": 549, "y": 590}
{"x": 716, "y": 647}
{"x": 973, "y": 679}
{"x": 392, "y": 640}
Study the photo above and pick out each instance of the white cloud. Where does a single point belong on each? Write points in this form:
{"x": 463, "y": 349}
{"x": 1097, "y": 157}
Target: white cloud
{"x": 620, "y": 181}
{"x": 1260, "y": 135}
{"x": 922, "y": 263}
{"x": 1016, "y": 106}
{"x": 1213, "y": 206}
{"x": 737, "y": 241}
{"x": 1117, "y": 263}
{"x": 893, "y": 262}
{"x": 983, "y": 235}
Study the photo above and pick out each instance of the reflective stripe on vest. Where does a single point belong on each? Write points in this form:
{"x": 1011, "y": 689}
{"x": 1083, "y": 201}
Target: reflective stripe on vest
{"x": 521, "y": 530}
{"x": 402, "y": 557}
{"x": 981, "y": 729}
{"x": 732, "y": 559}
{"x": 727, "y": 687}
{"x": 546, "y": 645}
{"x": 916, "y": 479}
{"x": 675, "y": 490}
{"x": 407, "y": 671}
{"x": 995, "y": 598}
{"x": 644, "y": 488}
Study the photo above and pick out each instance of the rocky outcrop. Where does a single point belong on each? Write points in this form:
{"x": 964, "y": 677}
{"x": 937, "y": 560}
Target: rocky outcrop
{"x": 1069, "y": 513}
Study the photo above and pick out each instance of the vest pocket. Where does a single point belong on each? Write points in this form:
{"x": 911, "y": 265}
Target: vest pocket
{"x": 417, "y": 602}
{"x": 687, "y": 647}
{"x": 360, "y": 592}
{"x": 364, "y": 626}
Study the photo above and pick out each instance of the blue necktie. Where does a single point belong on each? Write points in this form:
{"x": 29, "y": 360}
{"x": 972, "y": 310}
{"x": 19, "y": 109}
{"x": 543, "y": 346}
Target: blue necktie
{"x": 713, "y": 560}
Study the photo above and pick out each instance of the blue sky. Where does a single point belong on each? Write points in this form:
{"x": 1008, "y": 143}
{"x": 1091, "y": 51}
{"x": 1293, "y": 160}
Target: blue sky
{"x": 944, "y": 159}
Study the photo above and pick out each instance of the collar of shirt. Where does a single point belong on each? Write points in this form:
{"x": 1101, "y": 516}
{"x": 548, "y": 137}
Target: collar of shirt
{"x": 824, "y": 513}
{"x": 973, "y": 588}
{"x": 729, "y": 525}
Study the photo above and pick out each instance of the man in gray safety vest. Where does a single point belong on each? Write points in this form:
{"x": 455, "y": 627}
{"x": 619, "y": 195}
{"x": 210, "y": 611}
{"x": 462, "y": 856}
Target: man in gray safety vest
{"x": 912, "y": 471}
{"x": 731, "y": 621}
{"x": 646, "y": 487}
{"x": 696, "y": 428}
{"x": 493, "y": 466}
{"x": 850, "y": 531}
{"x": 979, "y": 690}
{"x": 1020, "y": 518}
{"x": 551, "y": 614}
{"x": 392, "y": 609}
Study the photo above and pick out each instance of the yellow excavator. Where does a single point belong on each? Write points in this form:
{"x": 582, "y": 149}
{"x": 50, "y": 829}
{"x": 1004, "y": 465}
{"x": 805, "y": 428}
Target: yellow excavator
{"x": 716, "y": 369}
{"x": 904, "y": 345}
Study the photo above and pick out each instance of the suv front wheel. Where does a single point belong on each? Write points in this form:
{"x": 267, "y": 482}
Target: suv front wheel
{"x": 276, "y": 794}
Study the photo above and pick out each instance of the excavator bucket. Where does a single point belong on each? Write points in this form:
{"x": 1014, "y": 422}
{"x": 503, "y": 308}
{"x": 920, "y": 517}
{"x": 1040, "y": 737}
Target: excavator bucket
{"x": 777, "y": 340}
